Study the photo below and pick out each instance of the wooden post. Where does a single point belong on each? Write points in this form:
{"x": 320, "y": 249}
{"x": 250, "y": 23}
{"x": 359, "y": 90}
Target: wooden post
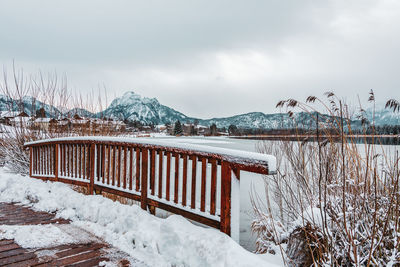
{"x": 56, "y": 162}
{"x": 92, "y": 167}
{"x": 235, "y": 205}
{"x": 144, "y": 178}
{"x": 226, "y": 197}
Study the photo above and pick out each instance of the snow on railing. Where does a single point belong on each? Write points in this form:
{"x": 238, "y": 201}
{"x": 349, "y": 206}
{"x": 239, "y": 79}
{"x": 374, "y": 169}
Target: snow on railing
{"x": 194, "y": 181}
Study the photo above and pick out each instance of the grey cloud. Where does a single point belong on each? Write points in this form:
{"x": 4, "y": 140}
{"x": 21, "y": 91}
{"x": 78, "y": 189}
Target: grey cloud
{"x": 210, "y": 58}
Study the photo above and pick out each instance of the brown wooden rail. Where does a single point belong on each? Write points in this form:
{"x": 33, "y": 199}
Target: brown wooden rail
{"x": 192, "y": 181}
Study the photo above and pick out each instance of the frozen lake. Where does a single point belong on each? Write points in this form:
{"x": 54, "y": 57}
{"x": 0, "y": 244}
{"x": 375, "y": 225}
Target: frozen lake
{"x": 248, "y": 181}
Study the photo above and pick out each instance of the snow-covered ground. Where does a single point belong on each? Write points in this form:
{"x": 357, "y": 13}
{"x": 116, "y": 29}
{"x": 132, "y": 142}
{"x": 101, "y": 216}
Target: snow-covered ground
{"x": 173, "y": 241}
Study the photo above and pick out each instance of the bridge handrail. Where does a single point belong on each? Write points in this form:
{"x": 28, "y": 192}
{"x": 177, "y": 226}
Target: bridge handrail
{"x": 128, "y": 167}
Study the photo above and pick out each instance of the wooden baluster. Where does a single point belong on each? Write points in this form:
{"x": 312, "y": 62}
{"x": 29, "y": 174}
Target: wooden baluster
{"x": 143, "y": 189}
{"x": 76, "y": 160}
{"x": 184, "y": 179}
{"x": 37, "y": 159}
{"x": 92, "y": 163}
{"x": 203, "y": 184}
{"x": 60, "y": 160}
{"x": 193, "y": 192}
{"x": 137, "y": 169}
{"x": 125, "y": 162}
{"x": 103, "y": 163}
{"x": 44, "y": 160}
{"x": 47, "y": 160}
{"x": 88, "y": 161}
{"x": 33, "y": 160}
{"x": 85, "y": 161}
{"x": 41, "y": 160}
{"x": 108, "y": 163}
{"x": 64, "y": 160}
{"x": 226, "y": 198}
{"x": 118, "y": 167}
{"x": 130, "y": 167}
{"x": 98, "y": 162}
{"x": 71, "y": 158}
{"x": 168, "y": 177}
{"x": 51, "y": 156}
{"x": 152, "y": 170}
{"x": 51, "y": 159}
{"x": 43, "y": 152}
{"x": 113, "y": 161}
{"x": 56, "y": 160}
{"x": 160, "y": 172}
{"x": 213, "y": 186}
{"x": 79, "y": 147}
{"x": 84, "y": 164}
{"x": 176, "y": 184}
{"x": 30, "y": 161}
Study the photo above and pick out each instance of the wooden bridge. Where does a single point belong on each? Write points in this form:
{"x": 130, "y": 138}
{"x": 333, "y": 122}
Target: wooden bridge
{"x": 198, "y": 182}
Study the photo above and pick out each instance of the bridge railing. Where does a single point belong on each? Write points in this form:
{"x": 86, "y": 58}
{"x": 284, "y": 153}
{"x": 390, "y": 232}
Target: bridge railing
{"x": 198, "y": 182}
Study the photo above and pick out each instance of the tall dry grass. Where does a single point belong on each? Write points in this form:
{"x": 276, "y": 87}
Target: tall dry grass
{"x": 333, "y": 202}
{"x": 29, "y": 93}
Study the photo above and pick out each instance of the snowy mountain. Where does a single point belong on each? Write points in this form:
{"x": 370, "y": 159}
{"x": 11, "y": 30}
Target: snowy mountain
{"x": 133, "y": 107}
{"x": 30, "y": 106}
{"x": 383, "y": 116}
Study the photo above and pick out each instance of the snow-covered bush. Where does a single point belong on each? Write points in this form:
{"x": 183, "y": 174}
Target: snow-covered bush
{"x": 334, "y": 201}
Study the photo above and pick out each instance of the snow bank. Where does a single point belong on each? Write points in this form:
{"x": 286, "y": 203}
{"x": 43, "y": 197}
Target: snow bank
{"x": 229, "y": 154}
{"x": 157, "y": 242}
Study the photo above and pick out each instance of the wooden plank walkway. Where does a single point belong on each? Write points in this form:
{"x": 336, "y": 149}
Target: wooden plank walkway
{"x": 89, "y": 253}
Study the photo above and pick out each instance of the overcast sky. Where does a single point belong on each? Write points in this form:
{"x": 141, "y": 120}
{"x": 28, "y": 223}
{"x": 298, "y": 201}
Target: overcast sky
{"x": 210, "y": 58}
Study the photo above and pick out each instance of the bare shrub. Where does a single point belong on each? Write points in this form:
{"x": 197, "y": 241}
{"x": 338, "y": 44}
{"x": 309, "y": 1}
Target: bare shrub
{"x": 340, "y": 197}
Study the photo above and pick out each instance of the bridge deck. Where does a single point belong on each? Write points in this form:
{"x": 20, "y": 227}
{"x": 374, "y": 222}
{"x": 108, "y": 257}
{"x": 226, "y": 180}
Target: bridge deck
{"x": 89, "y": 253}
